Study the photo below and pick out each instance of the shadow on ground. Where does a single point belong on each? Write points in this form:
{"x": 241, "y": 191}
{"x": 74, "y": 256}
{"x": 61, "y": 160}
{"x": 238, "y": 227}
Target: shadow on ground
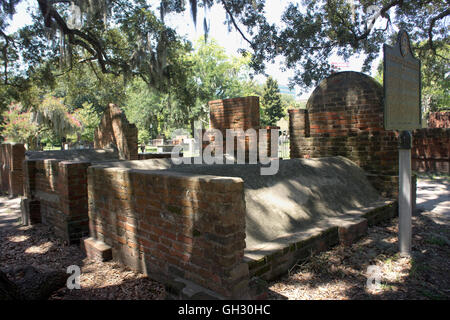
{"x": 341, "y": 273}
{"x": 35, "y": 248}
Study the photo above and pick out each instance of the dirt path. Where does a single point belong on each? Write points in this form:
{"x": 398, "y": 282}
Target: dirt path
{"x": 9, "y": 213}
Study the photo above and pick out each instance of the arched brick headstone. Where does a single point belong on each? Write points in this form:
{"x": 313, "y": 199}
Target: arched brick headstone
{"x": 344, "y": 117}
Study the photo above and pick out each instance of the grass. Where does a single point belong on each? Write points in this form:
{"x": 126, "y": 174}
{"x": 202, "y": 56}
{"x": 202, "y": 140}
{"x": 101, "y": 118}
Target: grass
{"x": 439, "y": 241}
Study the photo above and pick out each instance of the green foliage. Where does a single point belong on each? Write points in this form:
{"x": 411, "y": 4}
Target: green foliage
{"x": 89, "y": 120}
{"x": 271, "y": 103}
{"x": 209, "y": 74}
{"x": 143, "y": 137}
{"x": 52, "y": 113}
{"x": 86, "y": 84}
{"x": 435, "y": 77}
{"x": 146, "y": 108}
{"x": 130, "y": 37}
{"x": 18, "y": 126}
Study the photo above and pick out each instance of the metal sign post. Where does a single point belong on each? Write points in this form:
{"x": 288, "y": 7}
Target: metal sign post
{"x": 402, "y": 111}
{"x": 404, "y": 194}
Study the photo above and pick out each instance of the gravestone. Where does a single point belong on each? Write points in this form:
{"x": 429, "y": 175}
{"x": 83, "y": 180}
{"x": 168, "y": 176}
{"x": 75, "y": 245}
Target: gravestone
{"x": 115, "y": 130}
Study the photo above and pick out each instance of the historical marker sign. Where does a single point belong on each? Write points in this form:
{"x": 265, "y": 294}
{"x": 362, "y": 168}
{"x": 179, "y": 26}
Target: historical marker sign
{"x": 401, "y": 79}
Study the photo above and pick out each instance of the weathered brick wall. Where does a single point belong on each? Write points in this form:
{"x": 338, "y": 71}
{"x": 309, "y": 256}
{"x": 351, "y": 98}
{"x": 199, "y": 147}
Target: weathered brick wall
{"x": 11, "y": 173}
{"x": 431, "y": 150}
{"x": 439, "y": 119}
{"x": 56, "y": 195}
{"x": 237, "y": 114}
{"x": 172, "y": 225}
{"x": 115, "y": 130}
{"x": 344, "y": 117}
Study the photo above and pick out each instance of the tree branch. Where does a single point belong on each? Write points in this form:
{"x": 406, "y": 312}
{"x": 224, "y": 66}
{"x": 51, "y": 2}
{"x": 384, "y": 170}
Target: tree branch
{"x": 8, "y": 40}
{"x": 234, "y": 22}
{"x": 430, "y": 28}
{"x": 382, "y": 13}
{"x": 90, "y": 43}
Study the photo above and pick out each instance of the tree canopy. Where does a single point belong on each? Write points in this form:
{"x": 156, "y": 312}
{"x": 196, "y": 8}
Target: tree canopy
{"x": 132, "y": 39}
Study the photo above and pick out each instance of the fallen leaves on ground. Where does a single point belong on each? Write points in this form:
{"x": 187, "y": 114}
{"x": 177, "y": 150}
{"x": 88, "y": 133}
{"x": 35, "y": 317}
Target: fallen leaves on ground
{"x": 341, "y": 273}
{"x": 36, "y": 246}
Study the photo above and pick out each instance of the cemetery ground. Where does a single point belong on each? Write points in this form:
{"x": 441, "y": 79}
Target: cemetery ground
{"x": 339, "y": 273}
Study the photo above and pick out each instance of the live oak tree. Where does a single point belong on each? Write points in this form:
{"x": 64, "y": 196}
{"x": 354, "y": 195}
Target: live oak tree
{"x": 310, "y": 33}
{"x": 122, "y": 37}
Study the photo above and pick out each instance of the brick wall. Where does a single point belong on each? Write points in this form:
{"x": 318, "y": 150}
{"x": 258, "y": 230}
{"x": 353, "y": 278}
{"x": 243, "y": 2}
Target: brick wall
{"x": 431, "y": 150}
{"x": 344, "y": 117}
{"x": 56, "y": 195}
{"x": 11, "y": 175}
{"x": 172, "y": 225}
{"x": 115, "y": 130}
{"x": 439, "y": 119}
{"x": 238, "y": 114}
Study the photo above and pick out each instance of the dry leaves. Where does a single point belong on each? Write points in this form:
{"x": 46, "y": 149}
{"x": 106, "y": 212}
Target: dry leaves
{"x": 36, "y": 246}
{"x": 341, "y": 273}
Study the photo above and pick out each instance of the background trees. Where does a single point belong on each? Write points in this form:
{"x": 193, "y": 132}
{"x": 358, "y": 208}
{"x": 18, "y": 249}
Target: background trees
{"x": 131, "y": 38}
{"x": 210, "y": 74}
{"x": 271, "y": 103}
{"x": 123, "y": 51}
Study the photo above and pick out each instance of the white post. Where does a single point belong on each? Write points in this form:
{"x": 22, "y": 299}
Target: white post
{"x": 404, "y": 196}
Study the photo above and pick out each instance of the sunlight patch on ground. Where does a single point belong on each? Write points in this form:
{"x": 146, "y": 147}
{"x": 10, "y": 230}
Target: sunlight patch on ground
{"x": 17, "y": 239}
{"x": 40, "y": 249}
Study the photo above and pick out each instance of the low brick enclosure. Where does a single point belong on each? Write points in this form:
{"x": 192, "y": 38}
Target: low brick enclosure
{"x": 171, "y": 225}
{"x": 56, "y": 190}
{"x": 431, "y": 150}
{"x": 115, "y": 130}
{"x": 217, "y": 226}
{"x": 344, "y": 117}
{"x": 11, "y": 173}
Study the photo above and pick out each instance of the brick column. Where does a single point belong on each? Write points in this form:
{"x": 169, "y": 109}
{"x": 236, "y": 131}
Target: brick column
{"x": 298, "y": 131}
{"x": 73, "y": 197}
{"x": 30, "y": 207}
{"x": 12, "y": 156}
{"x": 269, "y": 140}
